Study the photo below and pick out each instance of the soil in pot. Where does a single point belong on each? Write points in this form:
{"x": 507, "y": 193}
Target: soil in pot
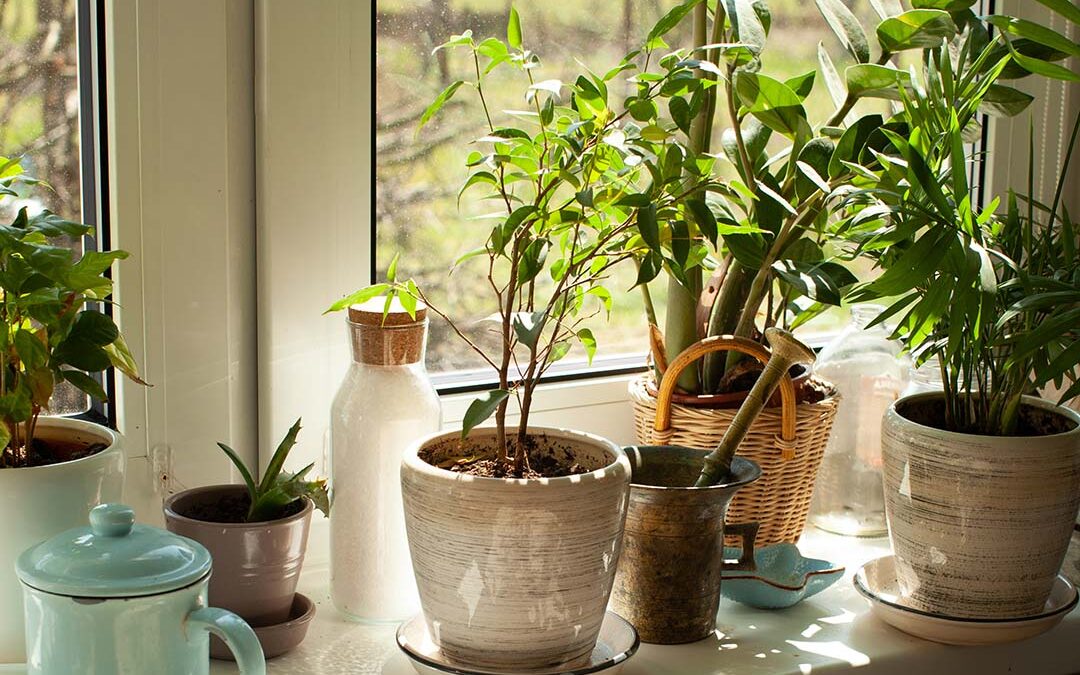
{"x": 1033, "y": 421}
{"x": 230, "y": 508}
{"x": 45, "y": 452}
{"x": 547, "y": 458}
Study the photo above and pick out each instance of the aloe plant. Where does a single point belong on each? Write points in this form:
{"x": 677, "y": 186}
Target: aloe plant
{"x": 759, "y": 238}
{"x": 992, "y": 292}
{"x": 271, "y": 497}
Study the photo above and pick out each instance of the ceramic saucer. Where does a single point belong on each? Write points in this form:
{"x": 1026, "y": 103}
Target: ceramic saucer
{"x": 783, "y": 577}
{"x": 278, "y": 638}
{"x": 876, "y": 580}
{"x": 617, "y": 642}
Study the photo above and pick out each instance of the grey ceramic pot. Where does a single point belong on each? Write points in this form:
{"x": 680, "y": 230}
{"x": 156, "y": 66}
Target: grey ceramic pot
{"x": 668, "y": 580}
{"x": 256, "y": 565}
{"x": 979, "y": 524}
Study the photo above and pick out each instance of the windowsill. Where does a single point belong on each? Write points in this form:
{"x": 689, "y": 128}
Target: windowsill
{"x": 748, "y": 641}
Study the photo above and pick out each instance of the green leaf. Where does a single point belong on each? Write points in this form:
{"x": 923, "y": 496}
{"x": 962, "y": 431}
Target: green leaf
{"x": 249, "y": 480}
{"x": 277, "y": 461}
{"x": 746, "y": 24}
{"x": 648, "y": 228}
{"x": 772, "y": 102}
{"x": 120, "y": 357}
{"x": 1005, "y": 101}
{"x": 674, "y": 16}
{"x": 30, "y": 349}
{"x": 481, "y": 409}
{"x": 916, "y": 29}
{"x": 532, "y": 261}
{"x": 94, "y": 326}
{"x": 869, "y": 80}
{"x": 439, "y": 102}
{"x": 823, "y": 282}
{"x": 946, "y": 5}
{"x": 1044, "y": 68}
{"x": 513, "y": 29}
{"x": 835, "y": 85}
{"x": 704, "y": 218}
{"x": 82, "y": 354}
{"x": 649, "y": 268}
{"x": 478, "y": 178}
{"x": 802, "y": 85}
{"x": 85, "y": 383}
{"x": 851, "y": 144}
{"x": 588, "y": 341}
{"x": 847, "y": 28}
{"x": 359, "y": 297}
{"x": 1036, "y": 33}
{"x": 528, "y": 326}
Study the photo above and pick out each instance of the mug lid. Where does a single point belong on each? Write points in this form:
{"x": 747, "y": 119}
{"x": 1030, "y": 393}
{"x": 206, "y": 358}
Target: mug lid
{"x": 113, "y": 557}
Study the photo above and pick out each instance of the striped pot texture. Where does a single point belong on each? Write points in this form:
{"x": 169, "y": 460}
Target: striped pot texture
{"x": 979, "y": 524}
{"x": 515, "y": 573}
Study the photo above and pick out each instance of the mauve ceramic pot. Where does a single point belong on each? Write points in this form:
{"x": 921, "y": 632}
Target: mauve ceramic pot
{"x": 979, "y": 524}
{"x": 515, "y": 574}
{"x": 256, "y": 565}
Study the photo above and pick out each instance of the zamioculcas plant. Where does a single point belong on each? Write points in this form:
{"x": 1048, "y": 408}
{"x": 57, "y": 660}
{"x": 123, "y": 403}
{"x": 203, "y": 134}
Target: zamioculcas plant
{"x": 992, "y": 293}
{"x": 758, "y": 238}
{"x": 271, "y": 497}
{"x": 51, "y": 332}
{"x": 565, "y": 177}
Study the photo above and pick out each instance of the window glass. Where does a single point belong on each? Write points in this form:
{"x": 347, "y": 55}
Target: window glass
{"x": 39, "y": 120}
{"x": 418, "y": 174}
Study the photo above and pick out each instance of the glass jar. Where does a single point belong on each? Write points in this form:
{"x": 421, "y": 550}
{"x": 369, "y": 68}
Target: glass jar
{"x": 866, "y": 368}
{"x": 926, "y": 377}
{"x": 384, "y": 404}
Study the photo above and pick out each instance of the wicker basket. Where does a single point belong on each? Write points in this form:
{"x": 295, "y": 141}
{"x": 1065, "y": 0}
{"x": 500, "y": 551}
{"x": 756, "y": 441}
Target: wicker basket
{"x": 786, "y": 442}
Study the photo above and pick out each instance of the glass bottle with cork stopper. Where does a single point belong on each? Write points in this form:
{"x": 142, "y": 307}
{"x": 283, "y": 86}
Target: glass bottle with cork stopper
{"x": 384, "y": 403}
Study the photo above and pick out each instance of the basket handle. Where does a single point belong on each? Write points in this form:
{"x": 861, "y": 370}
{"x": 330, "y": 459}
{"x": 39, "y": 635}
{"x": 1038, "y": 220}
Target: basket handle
{"x": 785, "y": 442}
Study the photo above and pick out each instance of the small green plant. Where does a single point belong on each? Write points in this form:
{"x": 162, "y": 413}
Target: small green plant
{"x": 278, "y": 489}
{"x": 565, "y": 178}
{"x": 48, "y": 332}
{"x": 993, "y": 293}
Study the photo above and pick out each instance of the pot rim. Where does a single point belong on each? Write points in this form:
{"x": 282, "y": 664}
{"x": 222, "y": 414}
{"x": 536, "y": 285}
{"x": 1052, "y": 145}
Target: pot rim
{"x": 751, "y": 467}
{"x": 111, "y": 436}
{"x": 412, "y": 459}
{"x": 170, "y": 512}
{"x": 93, "y": 598}
{"x": 1033, "y": 401}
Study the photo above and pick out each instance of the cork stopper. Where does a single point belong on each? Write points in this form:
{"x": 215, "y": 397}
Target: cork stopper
{"x": 396, "y": 340}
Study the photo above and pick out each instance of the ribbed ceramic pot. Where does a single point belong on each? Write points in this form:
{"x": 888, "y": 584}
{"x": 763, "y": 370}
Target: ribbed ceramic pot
{"x": 515, "y": 574}
{"x": 668, "y": 582}
{"x": 256, "y": 565}
{"x": 44, "y": 501}
{"x": 979, "y": 524}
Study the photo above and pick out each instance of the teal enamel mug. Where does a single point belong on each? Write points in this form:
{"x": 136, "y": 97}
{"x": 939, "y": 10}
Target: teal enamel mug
{"x": 125, "y": 599}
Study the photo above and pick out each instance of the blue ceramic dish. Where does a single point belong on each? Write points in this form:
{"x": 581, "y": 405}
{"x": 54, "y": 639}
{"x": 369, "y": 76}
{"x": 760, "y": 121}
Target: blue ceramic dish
{"x": 783, "y": 577}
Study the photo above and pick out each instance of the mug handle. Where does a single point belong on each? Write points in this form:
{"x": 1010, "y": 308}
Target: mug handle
{"x": 239, "y": 637}
{"x": 748, "y": 532}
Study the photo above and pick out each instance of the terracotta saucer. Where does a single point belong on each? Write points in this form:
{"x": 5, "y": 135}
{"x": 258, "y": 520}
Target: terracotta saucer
{"x": 278, "y": 638}
{"x": 876, "y": 581}
{"x": 617, "y": 642}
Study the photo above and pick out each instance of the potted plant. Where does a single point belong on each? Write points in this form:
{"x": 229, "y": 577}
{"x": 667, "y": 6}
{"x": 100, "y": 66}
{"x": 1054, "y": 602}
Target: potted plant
{"x": 744, "y": 254}
{"x": 545, "y": 506}
{"x": 982, "y": 480}
{"x": 257, "y": 535}
{"x": 52, "y": 469}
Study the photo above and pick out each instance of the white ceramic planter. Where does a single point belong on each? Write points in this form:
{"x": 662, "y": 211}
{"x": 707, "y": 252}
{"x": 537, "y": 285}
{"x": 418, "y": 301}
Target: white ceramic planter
{"x": 40, "y": 502}
{"x": 979, "y": 524}
{"x": 512, "y": 573}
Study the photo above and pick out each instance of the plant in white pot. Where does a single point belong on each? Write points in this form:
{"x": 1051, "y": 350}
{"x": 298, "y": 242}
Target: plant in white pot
{"x": 515, "y": 530}
{"x": 52, "y": 470}
{"x": 982, "y": 480}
